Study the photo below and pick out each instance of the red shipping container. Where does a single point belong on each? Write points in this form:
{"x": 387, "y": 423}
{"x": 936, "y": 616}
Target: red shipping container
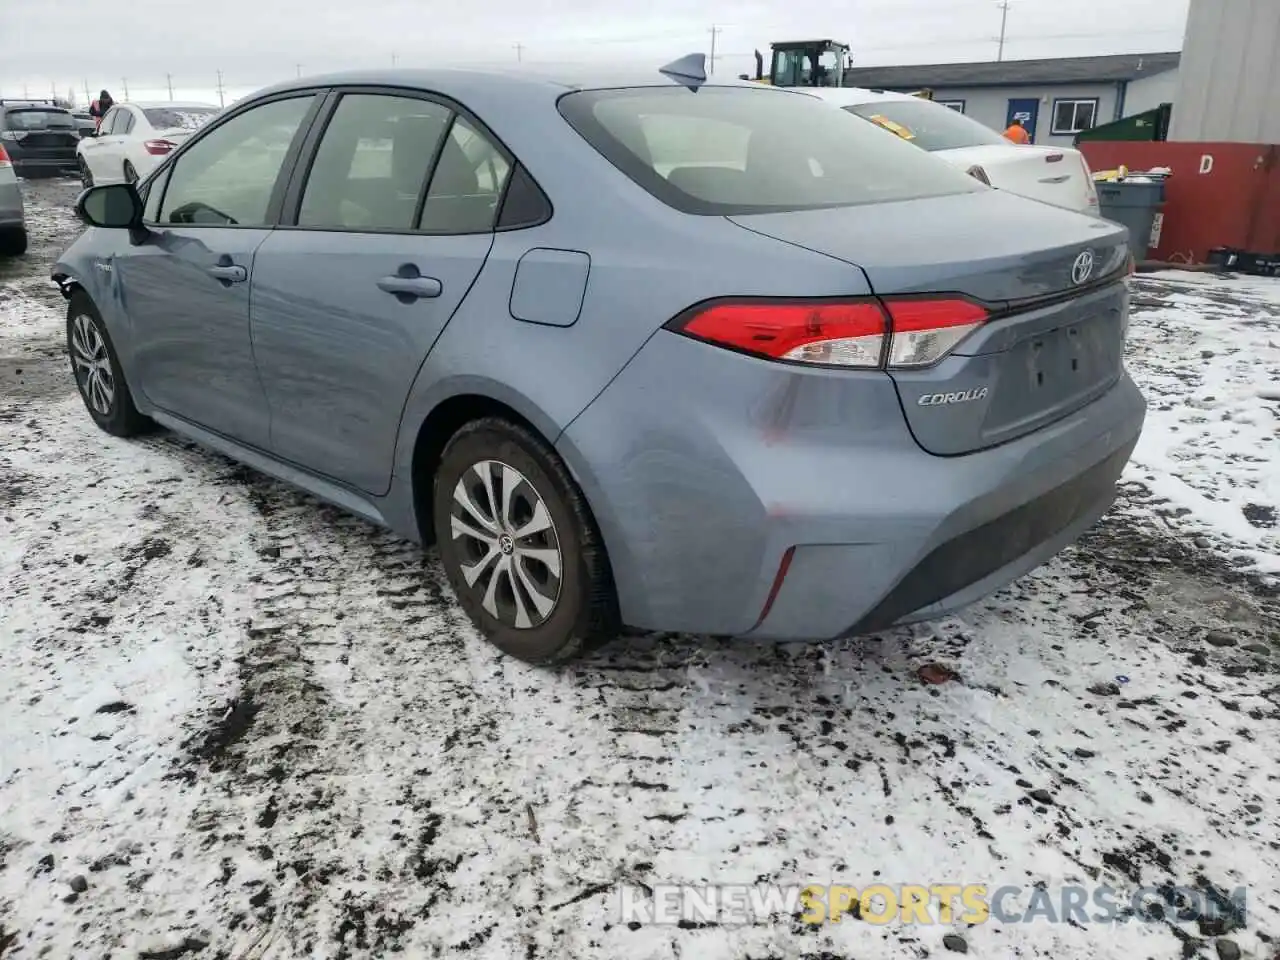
{"x": 1220, "y": 194}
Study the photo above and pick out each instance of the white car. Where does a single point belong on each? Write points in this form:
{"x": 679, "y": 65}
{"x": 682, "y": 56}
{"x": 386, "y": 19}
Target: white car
{"x": 136, "y": 137}
{"x": 1055, "y": 175}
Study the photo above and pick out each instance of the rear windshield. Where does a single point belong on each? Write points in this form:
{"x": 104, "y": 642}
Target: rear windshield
{"x": 182, "y": 118}
{"x": 928, "y": 125}
{"x": 719, "y": 151}
{"x": 38, "y": 119}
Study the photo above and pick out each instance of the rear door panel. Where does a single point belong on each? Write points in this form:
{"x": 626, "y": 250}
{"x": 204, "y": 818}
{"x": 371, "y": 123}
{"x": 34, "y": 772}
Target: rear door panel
{"x": 336, "y": 353}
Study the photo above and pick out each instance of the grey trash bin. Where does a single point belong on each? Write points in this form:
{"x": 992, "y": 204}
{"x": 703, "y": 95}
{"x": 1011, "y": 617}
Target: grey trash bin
{"x": 1135, "y": 205}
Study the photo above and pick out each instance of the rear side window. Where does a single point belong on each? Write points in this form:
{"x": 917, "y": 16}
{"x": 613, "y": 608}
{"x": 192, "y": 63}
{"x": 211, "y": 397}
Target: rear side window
{"x": 467, "y": 183}
{"x": 39, "y": 120}
{"x": 930, "y": 126}
{"x": 719, "y": 151}
{"x": 372, "y": 162}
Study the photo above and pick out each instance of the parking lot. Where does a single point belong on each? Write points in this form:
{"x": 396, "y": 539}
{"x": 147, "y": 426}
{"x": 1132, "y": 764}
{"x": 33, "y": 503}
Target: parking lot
{"x": 238, "y": 723}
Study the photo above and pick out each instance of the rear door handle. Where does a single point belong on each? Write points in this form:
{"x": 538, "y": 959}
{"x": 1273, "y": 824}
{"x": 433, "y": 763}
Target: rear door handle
{"x": 410, "y": 288}
{"x": 229, "y": 273}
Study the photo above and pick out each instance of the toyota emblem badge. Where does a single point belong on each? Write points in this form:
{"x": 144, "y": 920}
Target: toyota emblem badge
{"x": 1082, "y": 269}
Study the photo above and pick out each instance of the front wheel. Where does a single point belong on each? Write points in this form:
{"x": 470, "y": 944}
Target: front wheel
{"x": 130, "y": 174}
{"x": 98, "y": 374}
{"x": 86, "y": 175}
{"x": 519, "y": 545}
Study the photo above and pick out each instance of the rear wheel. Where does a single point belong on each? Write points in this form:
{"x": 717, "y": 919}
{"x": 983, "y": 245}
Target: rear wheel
{"x": 130, "y": 174}
{"x": 86, "y": 175}
{"x": 13, "y": 242}
{"x": 98, "y": 374}
{"x": 519, "y": 546}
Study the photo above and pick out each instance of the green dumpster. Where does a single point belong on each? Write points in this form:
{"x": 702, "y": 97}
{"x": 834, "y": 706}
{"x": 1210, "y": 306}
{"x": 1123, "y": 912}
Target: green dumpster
{"x": 1150, "y": 125}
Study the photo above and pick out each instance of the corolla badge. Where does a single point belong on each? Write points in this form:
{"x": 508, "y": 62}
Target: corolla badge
{"x": 945, "y": 399}
{"x": 1082, "y": 269}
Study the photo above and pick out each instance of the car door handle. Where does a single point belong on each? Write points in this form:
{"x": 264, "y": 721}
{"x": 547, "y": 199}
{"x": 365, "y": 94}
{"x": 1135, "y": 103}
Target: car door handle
{"x": 229, "y": 273}
{"x": 411, "y": 288}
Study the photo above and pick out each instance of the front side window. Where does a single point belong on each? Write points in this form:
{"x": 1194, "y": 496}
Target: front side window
{"x": 1074, "y": 116}
{"x": 372, "y": 163}
{"x": 927, "y": 124}
{"x": 153, "y": 193}
{"x": 467, "y": 183}
{"x": 722, "y": 151}
{"x": 227, "y": 177}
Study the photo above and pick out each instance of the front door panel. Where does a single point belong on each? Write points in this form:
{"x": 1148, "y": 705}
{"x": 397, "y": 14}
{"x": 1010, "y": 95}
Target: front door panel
{"x": 186, "y": 292}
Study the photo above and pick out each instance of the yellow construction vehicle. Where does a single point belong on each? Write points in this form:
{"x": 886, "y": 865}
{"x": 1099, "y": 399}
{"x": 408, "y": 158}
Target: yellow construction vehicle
{"x": 803, "y": 63}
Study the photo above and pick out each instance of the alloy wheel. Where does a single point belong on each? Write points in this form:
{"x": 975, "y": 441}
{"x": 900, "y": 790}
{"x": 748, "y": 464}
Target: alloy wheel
{"x": 92, "y": 365}
{"x": 510, "y": 554}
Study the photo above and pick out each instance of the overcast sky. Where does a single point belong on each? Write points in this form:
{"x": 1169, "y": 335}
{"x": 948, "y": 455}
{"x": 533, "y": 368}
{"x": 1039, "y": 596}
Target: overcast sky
{"x": 108, "y": 43}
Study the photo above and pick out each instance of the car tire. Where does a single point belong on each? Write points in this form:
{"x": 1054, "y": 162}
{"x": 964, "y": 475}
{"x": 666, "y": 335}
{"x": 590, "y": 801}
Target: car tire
{"x": 130, "y": 174}
{"x": 99, "y": 377}
{"x": 86, "y": 175}
{"x": 546, "y": 618}
{"x": 13, "y": 242}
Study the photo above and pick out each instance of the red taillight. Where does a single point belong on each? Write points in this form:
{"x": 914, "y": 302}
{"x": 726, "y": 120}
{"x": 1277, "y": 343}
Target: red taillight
{"x": 158, "y": 148}
{"x": 861, "y": 333}
{"x": 4, "y": 158}
{"x": 849, "y": 334}
{"x": 925, "y": 331}
{"x": 979, "y": 174}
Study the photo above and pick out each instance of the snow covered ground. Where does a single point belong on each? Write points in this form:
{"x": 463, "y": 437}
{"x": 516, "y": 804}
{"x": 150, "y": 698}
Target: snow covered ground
{"x": 236, "y": 723}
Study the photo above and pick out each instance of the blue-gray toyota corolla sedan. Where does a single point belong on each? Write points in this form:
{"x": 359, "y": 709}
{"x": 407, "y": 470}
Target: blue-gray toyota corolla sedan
{"x": 649, "y": 351}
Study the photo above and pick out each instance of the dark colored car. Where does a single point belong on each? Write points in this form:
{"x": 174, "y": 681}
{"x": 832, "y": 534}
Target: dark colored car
{"x": 39, "y": 138}
{"x": 86, "y": 124}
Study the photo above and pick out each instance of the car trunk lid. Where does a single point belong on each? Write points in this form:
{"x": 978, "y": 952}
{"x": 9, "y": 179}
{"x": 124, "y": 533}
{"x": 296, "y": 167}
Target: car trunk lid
{"x": 1050, "y": 280}
{"x": 1059, "y": 176}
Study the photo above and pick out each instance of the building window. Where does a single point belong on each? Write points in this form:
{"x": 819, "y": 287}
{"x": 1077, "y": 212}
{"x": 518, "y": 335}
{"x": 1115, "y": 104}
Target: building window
{"x": 956, "y": 105}
{"x": 1073, "y": 116}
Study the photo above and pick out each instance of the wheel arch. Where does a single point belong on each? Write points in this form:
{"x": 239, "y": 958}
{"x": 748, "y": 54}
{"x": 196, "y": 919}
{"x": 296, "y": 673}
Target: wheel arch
{"x": 442, "y": 420}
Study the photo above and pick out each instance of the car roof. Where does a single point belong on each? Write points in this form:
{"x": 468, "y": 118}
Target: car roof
{"x": 462, "y": 83}
{"x": 851, "y": 96}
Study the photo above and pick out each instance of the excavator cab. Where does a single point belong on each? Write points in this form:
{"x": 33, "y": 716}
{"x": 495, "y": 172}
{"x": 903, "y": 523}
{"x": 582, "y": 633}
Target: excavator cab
{"x": 805, "y": 63}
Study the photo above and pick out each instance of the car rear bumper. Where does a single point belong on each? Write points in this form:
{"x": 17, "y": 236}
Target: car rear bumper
{"x": 727, "y": 465}
{"x": 45, "y": 166}
{"x": 11, "y": 211}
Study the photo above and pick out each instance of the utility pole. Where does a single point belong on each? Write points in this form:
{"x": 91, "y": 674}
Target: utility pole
{"x": 54, "y": 88}
{"x": 299, "y": 66}
{"x": 169, "y": 78}
{"x": 124, "y": 82}
{"x": 1004, "y": 19}
{"x": 715, "y": 32}
{"x": 26, "y": 91}
{"x": 393, "y": 58}
{"x": 222, "y": 102}
{"x": 519, "y": 52}
{"x": 87, "y": 97}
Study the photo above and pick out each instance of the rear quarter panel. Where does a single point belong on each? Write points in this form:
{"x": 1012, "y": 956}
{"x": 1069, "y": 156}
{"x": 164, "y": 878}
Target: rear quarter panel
{"x": 647, "y": 264}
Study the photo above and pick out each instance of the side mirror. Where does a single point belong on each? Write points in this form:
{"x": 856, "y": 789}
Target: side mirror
{"x": 113, "y": 206}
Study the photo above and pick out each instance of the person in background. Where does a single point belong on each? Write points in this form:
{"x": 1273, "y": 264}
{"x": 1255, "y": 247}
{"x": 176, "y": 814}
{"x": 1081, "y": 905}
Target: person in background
{"x": 1017, "y": 133}
{"x": 98, "y": 109}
